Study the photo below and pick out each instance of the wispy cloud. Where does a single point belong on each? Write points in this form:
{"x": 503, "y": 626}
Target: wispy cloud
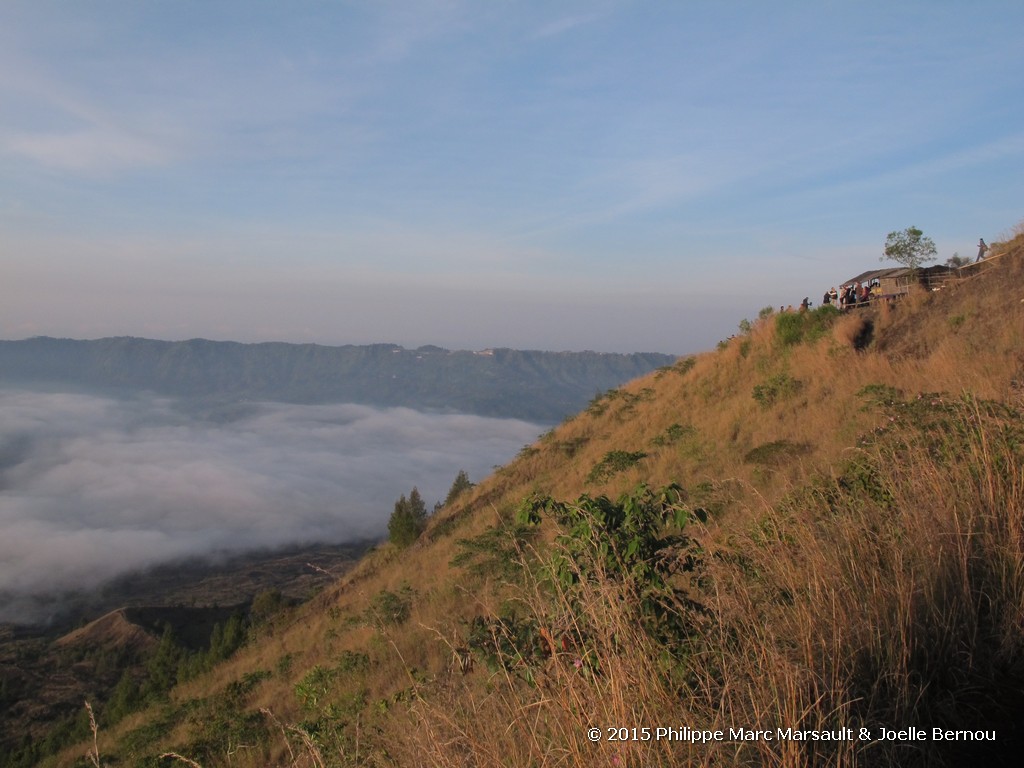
{"x": 917, "y": 172}
{"x": 567, "y": 23}
{"x": 480, "y": 144}
{"x": 61, "y": 126}
{"x": 96, "y": 150}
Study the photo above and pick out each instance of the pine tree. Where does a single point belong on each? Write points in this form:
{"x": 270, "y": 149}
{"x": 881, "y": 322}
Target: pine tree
{"x": 461, "y": 485}
{"x": 408, "y": 520}
{"x": 125, "y": 699}
{"x": 417, "y": 507}
{"x": 162, "y": 669}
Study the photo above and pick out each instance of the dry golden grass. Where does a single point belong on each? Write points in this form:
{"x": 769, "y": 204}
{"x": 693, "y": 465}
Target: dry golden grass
{"x": 849, "y": 329}
{"x": 839, "y": 588}
{"x": 898, "y": 602}
{"x": 886, "y": 602}
{"x": 542, "y": 720}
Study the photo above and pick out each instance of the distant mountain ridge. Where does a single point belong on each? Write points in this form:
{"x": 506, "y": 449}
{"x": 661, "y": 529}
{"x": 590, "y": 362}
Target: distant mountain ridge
{"x": 532, "y": 385}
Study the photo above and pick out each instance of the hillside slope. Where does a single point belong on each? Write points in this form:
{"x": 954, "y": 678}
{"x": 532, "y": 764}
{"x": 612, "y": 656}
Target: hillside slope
{"x": 843, "y": 550}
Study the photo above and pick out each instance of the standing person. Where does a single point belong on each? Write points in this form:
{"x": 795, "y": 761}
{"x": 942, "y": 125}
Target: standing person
{"x": 982, "y": 248}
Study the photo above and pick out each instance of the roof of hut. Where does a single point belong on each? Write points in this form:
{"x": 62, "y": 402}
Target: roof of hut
{"x": 878, "y": 274}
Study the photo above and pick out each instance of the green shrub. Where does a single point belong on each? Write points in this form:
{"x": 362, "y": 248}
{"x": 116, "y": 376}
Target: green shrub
{"x": 613, "y": 463}
{"x": 390, "y": 608}
{"x": 673, "y": 434}
{"x": 599, "y": 403}
{"x": 314, "y": 687}
{"x": 880, "y": 394}
{"x": 526, "y": 452}
{"x": 572, "y": 446}
{"x": 789, "y": 328}
{"x": 266, "y": 605}
{"x": 776, "y": 453}
{"x": 497, "y": 552}
{"x": 507, "y": 642}
{"x": 682, "y": 367}
{"x": 777, "y": 388}
{"x": 638, "y": 541}
{"x": 795, "y": 327}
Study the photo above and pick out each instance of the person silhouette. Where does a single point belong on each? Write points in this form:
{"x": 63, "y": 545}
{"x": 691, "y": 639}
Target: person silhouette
{"x": 982, "y": 248}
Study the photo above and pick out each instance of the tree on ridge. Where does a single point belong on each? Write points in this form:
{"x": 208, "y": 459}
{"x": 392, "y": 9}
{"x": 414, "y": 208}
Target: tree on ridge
{"x": 910, "y": 248}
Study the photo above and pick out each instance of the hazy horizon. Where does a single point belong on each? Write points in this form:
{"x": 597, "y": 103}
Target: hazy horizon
{"x": 379, "y": 342}
{"x": 609, "y": 175}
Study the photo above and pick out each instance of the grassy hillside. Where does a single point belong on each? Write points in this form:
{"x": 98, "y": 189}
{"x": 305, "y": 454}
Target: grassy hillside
{"x": 818, "y": 527}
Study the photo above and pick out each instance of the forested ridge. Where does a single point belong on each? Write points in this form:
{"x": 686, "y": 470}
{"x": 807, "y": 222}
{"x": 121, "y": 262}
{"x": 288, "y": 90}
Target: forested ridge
{"x": 532, "y": 385}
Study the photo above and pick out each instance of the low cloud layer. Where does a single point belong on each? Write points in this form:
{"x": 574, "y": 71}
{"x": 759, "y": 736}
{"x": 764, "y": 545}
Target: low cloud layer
{"x": 91, "y": 487}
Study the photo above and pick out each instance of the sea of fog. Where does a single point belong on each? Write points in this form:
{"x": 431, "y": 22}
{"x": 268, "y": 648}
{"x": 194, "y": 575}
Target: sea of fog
{"x": 93, "y": 487}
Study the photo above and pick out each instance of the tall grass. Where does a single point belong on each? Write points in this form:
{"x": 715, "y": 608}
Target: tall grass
{"x": 592, "y": 668}
{"x": 875, "y": 585}
{"x": 890, "y": 595}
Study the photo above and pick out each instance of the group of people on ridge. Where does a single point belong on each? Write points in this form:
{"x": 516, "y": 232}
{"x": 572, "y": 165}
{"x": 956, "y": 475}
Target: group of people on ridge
{"x": 857, "y": 294}
{"x": 851, "y": 295}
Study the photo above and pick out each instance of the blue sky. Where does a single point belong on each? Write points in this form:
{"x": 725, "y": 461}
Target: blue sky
{"x": 617, "y": 176}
